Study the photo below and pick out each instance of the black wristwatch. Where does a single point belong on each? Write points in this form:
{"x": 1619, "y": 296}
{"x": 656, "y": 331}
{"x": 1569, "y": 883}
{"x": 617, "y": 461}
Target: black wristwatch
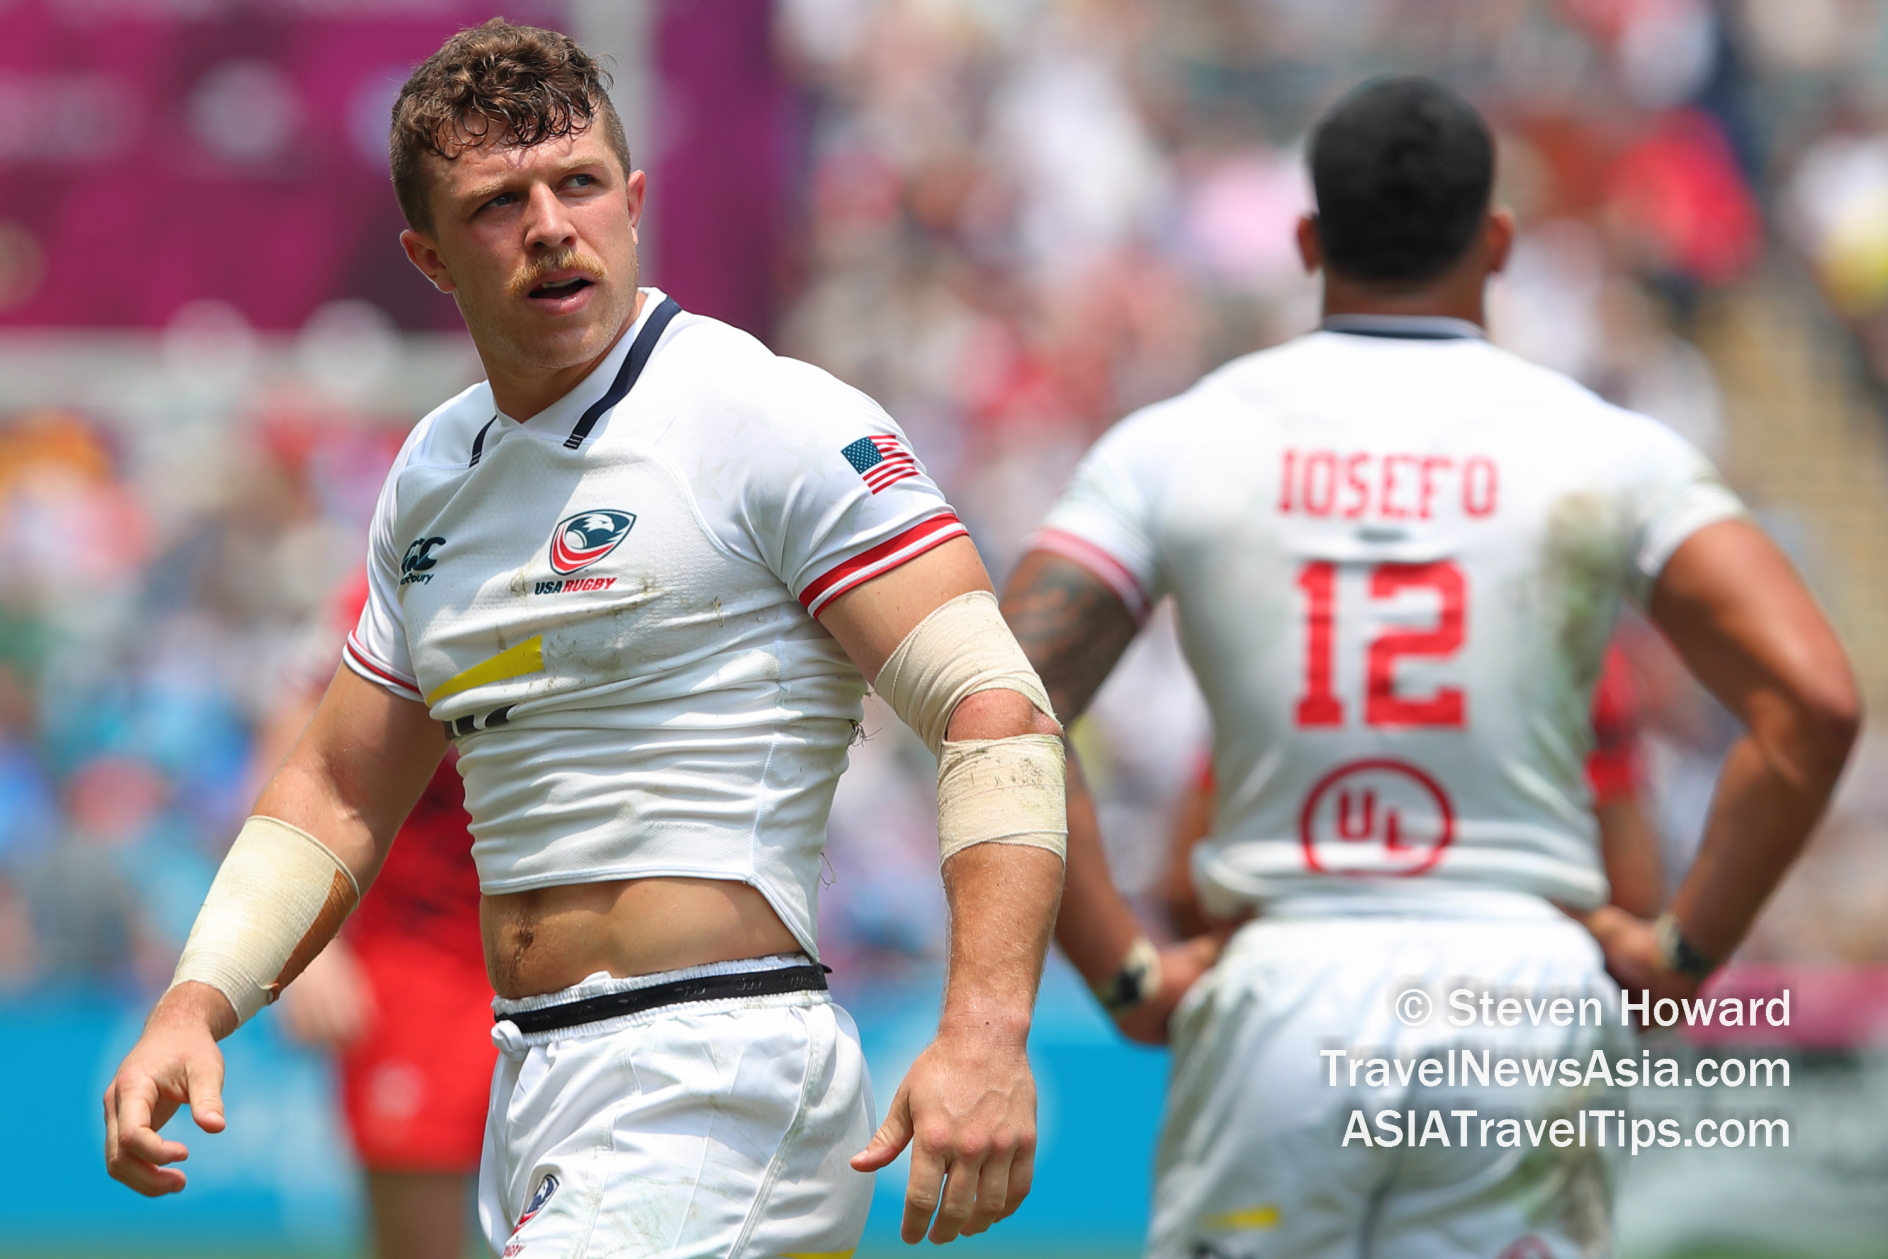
{"x": 1680, "y": 954}
{"x": 1135, "y": 983}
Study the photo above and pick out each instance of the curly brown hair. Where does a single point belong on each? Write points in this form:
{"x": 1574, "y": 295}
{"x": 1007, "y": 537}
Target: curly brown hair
{"x": 517, "y": 85}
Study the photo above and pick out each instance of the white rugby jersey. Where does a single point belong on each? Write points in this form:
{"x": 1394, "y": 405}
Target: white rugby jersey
{"x": 1397, "y": 554}
{"x": 611, "y": 606}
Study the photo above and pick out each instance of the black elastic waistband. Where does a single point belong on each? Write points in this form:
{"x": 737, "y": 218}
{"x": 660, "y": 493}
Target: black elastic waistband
{"x": 612, "y": 1005}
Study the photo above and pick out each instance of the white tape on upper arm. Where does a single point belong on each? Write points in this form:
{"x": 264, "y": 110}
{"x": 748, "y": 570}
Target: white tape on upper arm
{"x": 961, "y": 648}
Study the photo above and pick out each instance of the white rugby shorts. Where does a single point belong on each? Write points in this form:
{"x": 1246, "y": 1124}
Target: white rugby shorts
{"x": 706, "y": 1130}
{"x": 1252, "y": 1162}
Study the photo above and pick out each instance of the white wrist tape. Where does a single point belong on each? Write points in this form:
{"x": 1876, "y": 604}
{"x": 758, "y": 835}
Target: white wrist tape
{"x": 1002, "y": 791}
{"x": 961, "y": 648}
{"x": 278, "y": 898}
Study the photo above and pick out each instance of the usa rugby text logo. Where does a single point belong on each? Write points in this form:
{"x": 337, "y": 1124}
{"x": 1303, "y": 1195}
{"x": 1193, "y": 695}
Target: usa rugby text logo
{"x": 581, "y": 540}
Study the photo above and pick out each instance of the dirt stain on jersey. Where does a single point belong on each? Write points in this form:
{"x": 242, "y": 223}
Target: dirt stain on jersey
{"x": 1582, "y": 572}
{"x": 605, "y": 646}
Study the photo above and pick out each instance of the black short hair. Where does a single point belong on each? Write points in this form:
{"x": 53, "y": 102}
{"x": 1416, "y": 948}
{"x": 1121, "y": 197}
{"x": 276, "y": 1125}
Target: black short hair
{"x": 1402, "y": 168}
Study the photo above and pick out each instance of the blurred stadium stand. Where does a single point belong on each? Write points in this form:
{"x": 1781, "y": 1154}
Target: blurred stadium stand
{"x": 1010, "y": 220}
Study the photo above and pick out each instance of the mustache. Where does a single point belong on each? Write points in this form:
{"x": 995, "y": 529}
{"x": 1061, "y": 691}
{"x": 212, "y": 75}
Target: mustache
{"x": 534, "y": 272}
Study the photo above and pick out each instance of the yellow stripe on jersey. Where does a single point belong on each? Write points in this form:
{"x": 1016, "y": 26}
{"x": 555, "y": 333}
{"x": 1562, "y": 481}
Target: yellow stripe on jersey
{"x": 513, "y": 662}
{"x": 1266, "y": 1216}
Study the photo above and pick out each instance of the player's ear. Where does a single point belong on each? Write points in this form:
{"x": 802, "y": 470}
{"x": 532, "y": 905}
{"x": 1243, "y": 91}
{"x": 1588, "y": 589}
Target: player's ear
{"x": 635, "y": 188}
{"x": 1310, "y": 248}
{"x": 1498, "y": 239}
{"x": 424, "y": 254}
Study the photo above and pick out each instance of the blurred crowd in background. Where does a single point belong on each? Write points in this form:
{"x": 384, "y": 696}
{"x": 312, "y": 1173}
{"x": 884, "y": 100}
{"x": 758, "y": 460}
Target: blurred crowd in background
{"x": 1012, "y": 223}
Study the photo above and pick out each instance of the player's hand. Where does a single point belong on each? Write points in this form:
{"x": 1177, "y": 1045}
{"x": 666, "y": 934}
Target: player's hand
{"x": 330, "y": 1004}
{"x": 1181, "y": 966}
{"x": 967, "y": 1108}
{"x": 1633, "y": 956}
{"x": 175, "y": 1063}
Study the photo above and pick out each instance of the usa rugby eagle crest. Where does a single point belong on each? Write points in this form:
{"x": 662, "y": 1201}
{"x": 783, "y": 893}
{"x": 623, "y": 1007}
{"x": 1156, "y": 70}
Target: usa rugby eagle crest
{"x": 581, "y": 540}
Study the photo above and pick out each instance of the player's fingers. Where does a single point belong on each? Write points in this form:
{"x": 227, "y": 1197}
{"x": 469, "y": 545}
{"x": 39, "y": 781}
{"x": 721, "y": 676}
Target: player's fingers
{"x": 204, "y": 1081}
{"x": 892, "y": 1136}
{"x": 993, "y": 1190}
{"x": 147, "y": 1145}
{"x": 1022, "y": 1177}
{"x": 959, "y": 1201}
{"x": 145, "y": 1178}
{"x": 135, "y": 1104}
{"x": 134, "y": 1152}
{"x": 921, "y": 1192}
{"x": 1607, "y": 924}
{"x": 111, "y": 1126}
{"x": 1204, "y": 950}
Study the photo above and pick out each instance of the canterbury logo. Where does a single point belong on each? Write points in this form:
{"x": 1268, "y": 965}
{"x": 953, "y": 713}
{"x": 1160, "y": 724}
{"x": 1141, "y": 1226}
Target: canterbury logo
{"x": 419, "y": 555}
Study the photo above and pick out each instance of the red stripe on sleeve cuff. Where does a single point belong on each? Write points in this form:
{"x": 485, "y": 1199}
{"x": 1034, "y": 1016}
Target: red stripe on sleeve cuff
{"x": 881, "y": 559}
{"x": 374, "y": 671}
{"x": 1097, "y": 561}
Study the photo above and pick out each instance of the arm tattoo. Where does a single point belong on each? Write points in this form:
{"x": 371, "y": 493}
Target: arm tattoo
{"x": 1071, "y": 625}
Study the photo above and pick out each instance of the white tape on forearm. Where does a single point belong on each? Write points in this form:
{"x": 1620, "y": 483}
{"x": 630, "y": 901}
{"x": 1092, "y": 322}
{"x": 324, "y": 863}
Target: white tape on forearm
{"x": 279, "y": 896}
{"x": 961, "y": 648}
{"x": 1002, "y": 791}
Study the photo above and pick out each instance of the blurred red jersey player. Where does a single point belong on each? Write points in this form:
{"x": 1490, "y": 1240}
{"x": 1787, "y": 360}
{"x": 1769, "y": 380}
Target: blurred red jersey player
{"x": 1615, "y": 773}
{"x": 415, "y": 1057}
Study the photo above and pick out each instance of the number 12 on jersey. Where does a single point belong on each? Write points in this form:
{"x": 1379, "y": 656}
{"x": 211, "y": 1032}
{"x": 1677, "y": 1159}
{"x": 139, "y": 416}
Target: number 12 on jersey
{"x": 1384, "y": 705}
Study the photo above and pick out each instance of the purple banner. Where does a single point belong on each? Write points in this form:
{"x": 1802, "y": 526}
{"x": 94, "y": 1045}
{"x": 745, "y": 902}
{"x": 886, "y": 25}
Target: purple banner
{"x": 155, "y": 153}
{"x": 720, "y": 182}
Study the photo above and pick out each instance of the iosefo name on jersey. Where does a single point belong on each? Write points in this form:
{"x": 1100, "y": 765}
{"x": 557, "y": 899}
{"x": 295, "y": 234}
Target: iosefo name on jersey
{"x": 614, "y": 617}
{"x": 1398, "y": 556}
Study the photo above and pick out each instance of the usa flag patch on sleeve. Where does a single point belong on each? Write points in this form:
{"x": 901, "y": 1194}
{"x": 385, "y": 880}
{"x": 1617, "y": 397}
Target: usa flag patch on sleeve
{"x": 880, "y": 461}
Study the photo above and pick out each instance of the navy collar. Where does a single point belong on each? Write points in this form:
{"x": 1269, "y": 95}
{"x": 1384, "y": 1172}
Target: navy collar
{"x": 1405, "y": 327}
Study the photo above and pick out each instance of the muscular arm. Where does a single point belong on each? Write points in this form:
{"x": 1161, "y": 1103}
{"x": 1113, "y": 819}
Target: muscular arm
{"x": 1072, "y": 625}
{"x": 1744, "y": 624}
{"x": 1074, "y": 628}
{"x": 356, "y": 771}
{"x": 349, "y": 781}
{"x": 969, "y": 1101}
{"x": 1742, "y": 621}
{"x": 1629, "y": 849}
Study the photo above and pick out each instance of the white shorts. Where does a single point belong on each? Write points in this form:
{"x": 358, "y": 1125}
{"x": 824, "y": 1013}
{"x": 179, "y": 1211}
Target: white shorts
{"x": 707, "y": 1129}
{"x": 1252, "y": 1162}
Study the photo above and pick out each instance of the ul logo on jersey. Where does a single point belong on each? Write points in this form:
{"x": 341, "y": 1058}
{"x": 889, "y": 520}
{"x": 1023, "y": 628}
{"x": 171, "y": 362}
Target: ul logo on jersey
{"x": 414, "y": 565}
{"x": 1376, "y": 817}
{"x": 581, "y": 540}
